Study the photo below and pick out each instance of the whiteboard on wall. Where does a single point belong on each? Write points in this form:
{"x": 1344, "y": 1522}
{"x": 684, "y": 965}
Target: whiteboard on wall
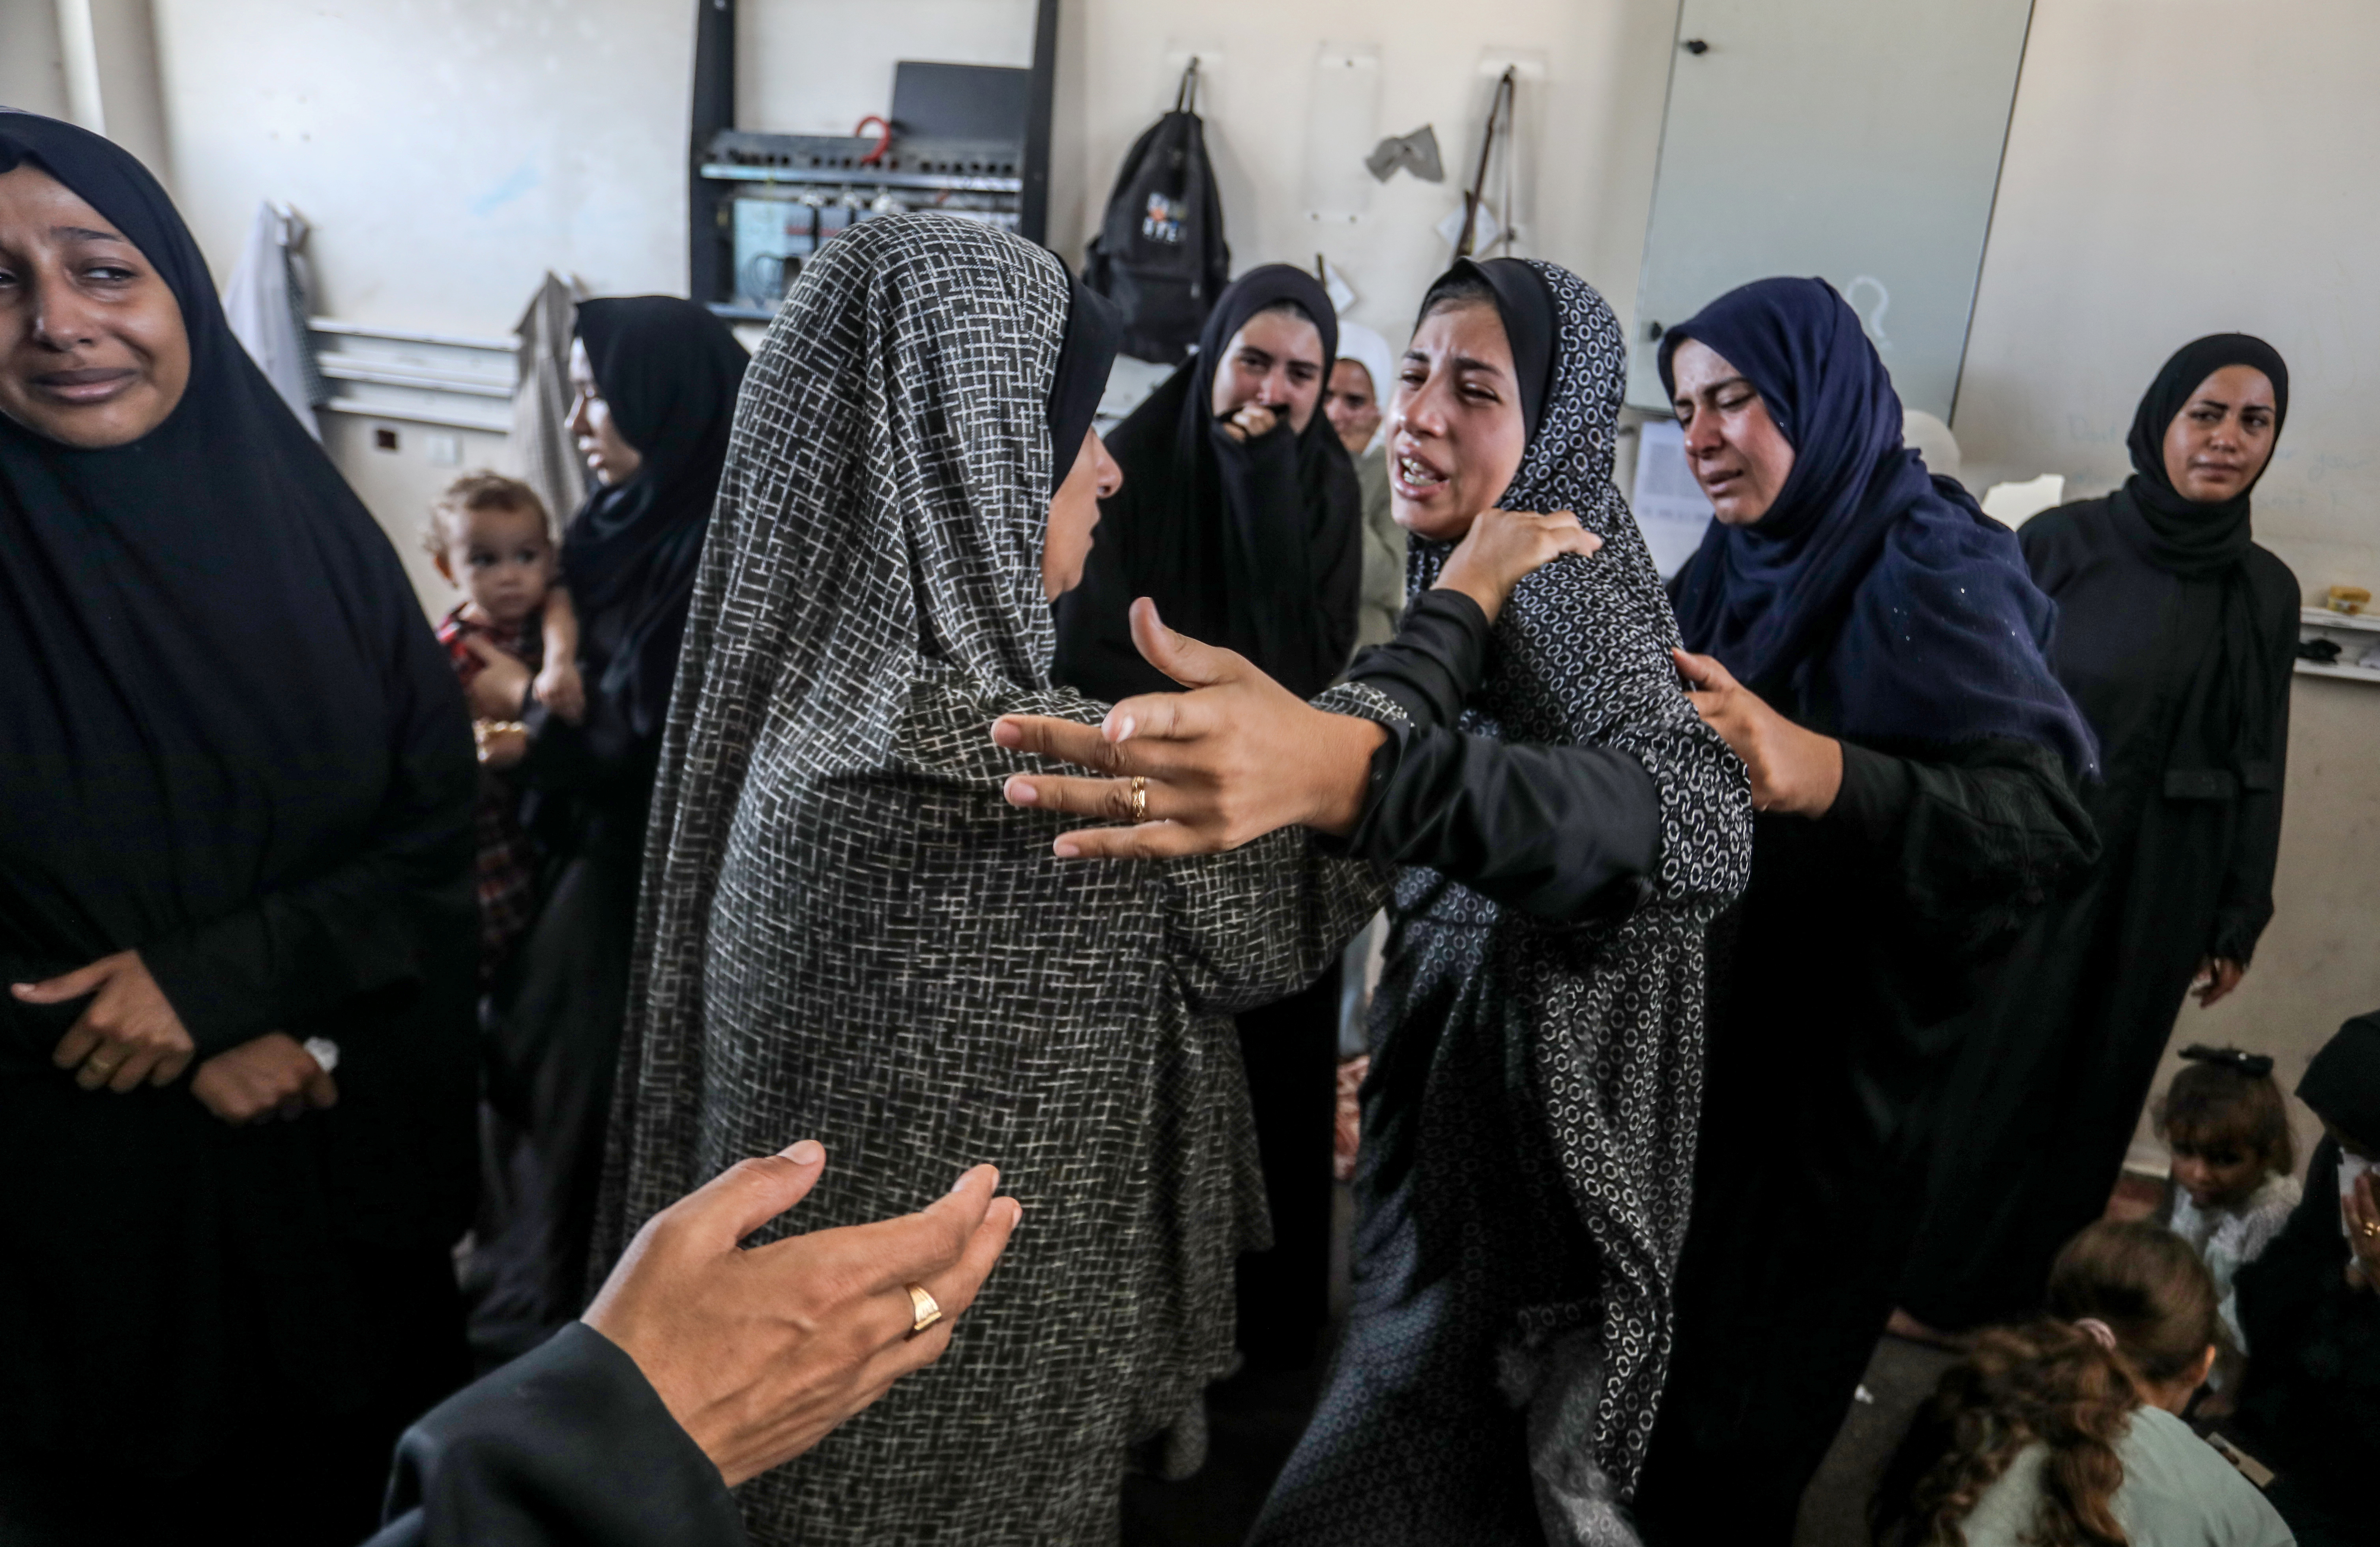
{"x": 1857, "y": 140}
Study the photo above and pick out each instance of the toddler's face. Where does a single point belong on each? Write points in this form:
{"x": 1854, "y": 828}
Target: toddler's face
{"x": 504, "y": 559}
{"x": 2216, "y": 1172}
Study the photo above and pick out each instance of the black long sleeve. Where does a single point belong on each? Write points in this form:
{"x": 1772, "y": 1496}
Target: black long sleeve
{"x": 1551, "y": 831}
{"x": 1967, "y": 843}
{"x": 362, "y": 927}
{"x": 2246, "y": 903}
{"x": 569, "y": 1444}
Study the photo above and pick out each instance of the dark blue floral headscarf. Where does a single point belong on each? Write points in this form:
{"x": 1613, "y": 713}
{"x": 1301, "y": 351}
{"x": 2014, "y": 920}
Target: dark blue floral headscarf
{"x": 1870, "y": 586}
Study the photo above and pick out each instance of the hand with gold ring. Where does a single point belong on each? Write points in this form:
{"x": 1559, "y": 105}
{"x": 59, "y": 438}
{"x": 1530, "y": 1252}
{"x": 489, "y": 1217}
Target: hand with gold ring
{"x": 1194, "y": 772}
{"x": 127, "y": 1033}
{"x": 760, "y": 1352}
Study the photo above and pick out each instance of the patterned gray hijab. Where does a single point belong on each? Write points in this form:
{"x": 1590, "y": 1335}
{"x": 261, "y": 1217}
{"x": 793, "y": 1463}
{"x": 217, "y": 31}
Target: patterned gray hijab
{"x": 847, "y": 933}
{"x": 1612, "y": 1013}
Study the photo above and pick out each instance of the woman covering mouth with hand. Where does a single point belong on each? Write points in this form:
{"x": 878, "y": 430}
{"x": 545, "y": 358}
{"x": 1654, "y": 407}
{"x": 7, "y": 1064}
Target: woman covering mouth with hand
{"x": 1567, "y": 827}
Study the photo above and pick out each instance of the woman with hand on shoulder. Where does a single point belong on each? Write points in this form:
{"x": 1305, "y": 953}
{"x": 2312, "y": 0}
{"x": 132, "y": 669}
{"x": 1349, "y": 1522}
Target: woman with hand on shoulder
{"x": 2176, "y": 635}
{"x": 1566, "y": 828}
{"x": 1870, "y": 644}
{"x": 237, "y": 1059}
{"x": 848, "y": 932}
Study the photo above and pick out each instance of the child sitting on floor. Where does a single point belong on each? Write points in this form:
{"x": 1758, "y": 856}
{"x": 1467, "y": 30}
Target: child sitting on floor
{"x": 2064, "y": 1433}
{"x": 2229, "y": 1130}
{"x": 490, "y": 537}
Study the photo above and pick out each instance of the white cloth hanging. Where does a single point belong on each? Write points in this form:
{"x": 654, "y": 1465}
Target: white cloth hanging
{"x": 540, "y": 450}
{"x": 266, "y": 304}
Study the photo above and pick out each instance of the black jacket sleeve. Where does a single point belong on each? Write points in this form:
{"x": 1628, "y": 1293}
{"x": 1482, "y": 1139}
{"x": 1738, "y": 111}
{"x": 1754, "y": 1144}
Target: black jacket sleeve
{"x": 569, "y": 1444}
{"x": 357, "y": 928}
{"x": 1556, "y": 831}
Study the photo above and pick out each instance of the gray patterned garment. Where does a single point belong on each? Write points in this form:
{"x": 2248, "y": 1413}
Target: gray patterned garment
{"x": 1529, "y": 1121}
{"x": 848, "y": 934}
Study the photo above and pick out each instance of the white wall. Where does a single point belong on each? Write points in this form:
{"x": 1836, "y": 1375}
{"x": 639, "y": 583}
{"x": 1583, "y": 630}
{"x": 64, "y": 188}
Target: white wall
{"x": 1590, "y": 128}
{"x": 447, "y": 152}
{"x": 818, "y": 66}
{"x": 32, "y": 71}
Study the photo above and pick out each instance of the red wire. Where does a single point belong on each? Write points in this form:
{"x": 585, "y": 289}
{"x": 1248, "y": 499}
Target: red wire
{"x": 883, "y": 138}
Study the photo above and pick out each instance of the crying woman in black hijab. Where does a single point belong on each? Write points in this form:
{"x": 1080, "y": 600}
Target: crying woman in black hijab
{"x": 236, "y": 1062}
{"x": 1240, "y": 512}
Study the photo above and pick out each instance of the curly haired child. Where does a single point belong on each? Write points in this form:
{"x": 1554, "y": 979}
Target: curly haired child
{"x": 2063, "y": 1432}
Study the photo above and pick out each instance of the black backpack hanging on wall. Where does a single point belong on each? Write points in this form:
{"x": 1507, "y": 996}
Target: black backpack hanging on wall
{"x": 1159, "y": 254}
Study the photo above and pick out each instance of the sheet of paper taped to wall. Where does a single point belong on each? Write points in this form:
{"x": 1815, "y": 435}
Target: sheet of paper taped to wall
{"x": 1669, "y": 507}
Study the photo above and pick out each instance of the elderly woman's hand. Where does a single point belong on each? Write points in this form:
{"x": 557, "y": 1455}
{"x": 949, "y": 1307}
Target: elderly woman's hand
{"x": 261, "y": 1077}
{"x": 128, "y": 1032}
{"x": 1237, "y": 757}
{"x": 1503, "y": 546}
{"x": 1792, "y": 770}
{"x": 759, "y": 1354}
{"x": 500, "y": 691}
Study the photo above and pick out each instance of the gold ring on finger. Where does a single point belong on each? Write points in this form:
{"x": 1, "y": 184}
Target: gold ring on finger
{"x": 2370, "y": 1229}
{"x": 101, "y": 1070}
{"x": 928, "y": 1310}
{"x": 1139, "y": 799}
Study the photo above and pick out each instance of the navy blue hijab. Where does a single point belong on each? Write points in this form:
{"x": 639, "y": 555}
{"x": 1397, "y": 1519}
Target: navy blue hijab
{"x": 1870, "y": 586}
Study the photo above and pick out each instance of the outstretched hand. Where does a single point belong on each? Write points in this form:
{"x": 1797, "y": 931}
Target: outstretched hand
{"x": 1792, "y": 770}
{"x": 759, "y": 1354}
{"x": 1237, "y": 757}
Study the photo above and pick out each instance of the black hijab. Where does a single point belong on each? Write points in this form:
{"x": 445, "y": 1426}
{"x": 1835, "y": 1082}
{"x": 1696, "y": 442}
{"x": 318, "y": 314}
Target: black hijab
{"x": 2342, "y": 1084}
{"x": 1870, "y": 585}
{"x": 669, "y": 371}
{"x": 1094, "y": 326}
{"x": 1526, "y": 309}
{"x": 2228, "y": 720}
{"x": 228, "y": 739}
{"x": 1253, "y": 546}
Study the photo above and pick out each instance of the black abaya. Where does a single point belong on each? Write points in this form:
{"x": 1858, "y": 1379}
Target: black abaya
{"x": 2181, "y": 660}
{"x": 669, "y": 372}
{"x": 229, "y": 741}
{"x": 1255, "y": 547}
{"x": 2049, "y": 1085}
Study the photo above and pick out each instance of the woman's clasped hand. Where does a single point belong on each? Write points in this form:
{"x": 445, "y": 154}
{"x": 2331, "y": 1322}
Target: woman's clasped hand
{"x": 127, "y": 1033}
{"x": 1239, "y": 756}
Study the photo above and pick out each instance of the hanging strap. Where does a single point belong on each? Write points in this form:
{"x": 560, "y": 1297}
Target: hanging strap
{"x": 1186, "y": 98}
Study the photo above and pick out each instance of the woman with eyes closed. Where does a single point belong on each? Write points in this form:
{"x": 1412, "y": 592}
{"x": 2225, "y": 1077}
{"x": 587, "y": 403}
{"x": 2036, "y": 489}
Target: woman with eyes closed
{"x": 2176, "y": 633}
{"x": 1872, "y": 647}
{"x": 1565, "y": 828}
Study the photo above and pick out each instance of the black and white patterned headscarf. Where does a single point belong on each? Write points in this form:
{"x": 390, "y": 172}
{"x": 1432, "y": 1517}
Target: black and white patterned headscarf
{"x": 847, "y": 933}
{"x": 1615, "y": 1011}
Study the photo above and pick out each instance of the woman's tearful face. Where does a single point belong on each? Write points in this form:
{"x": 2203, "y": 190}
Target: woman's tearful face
{"x": 92, "y": 350}
{"x": 1457, "y": 432}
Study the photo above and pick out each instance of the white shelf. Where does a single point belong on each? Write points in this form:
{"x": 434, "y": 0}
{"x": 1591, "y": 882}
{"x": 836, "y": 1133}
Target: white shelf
{"x": 2348, "y": 674}
{"x": 2322, "y": 618}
